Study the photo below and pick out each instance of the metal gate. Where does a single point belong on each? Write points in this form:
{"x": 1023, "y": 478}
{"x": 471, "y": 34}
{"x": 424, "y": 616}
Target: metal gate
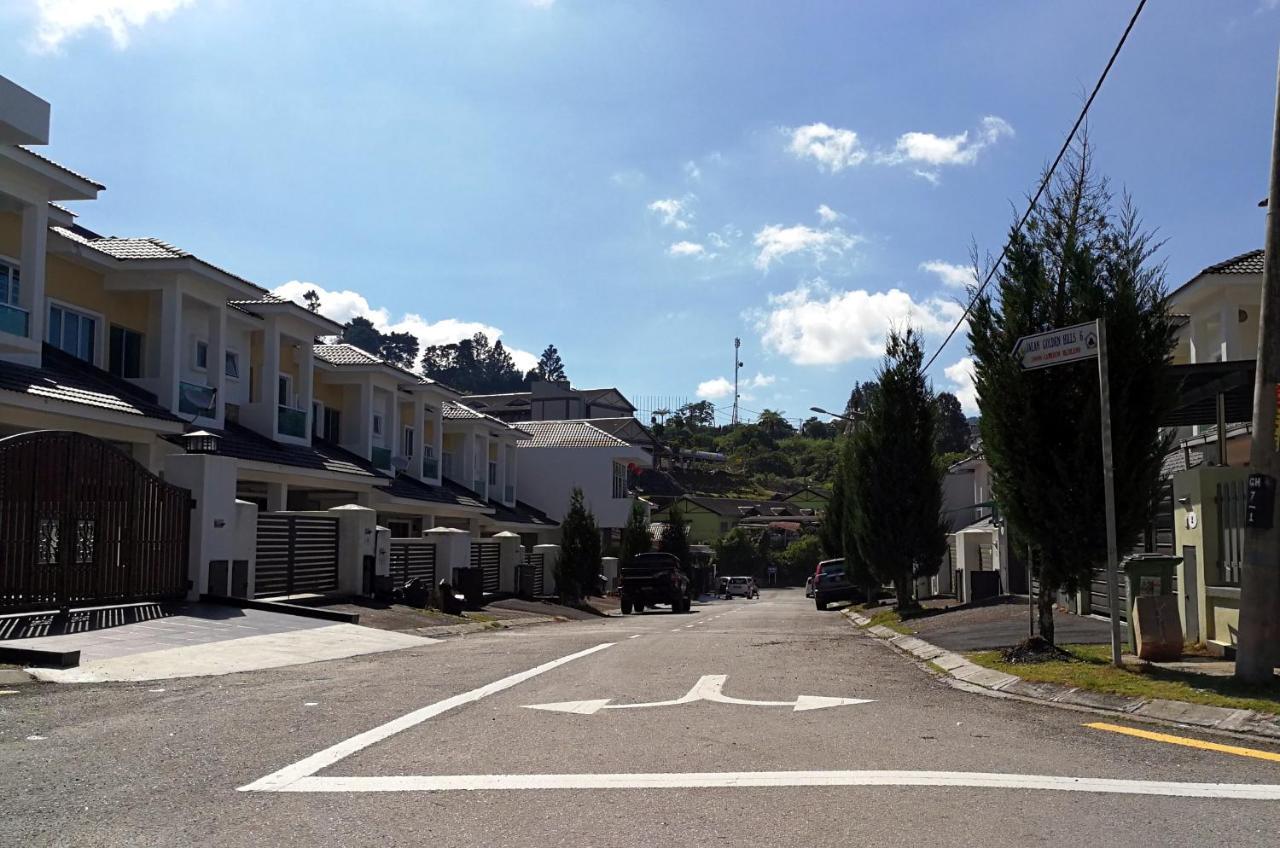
{"x": 1157, "y": 537}
{"x": 297, "y": 554}
{"x": 1230, "y": 500}
{"x": 487, "y": 556}
{"x": 82, "y": 523}
{"x": 413, "y": 561}
{"x": 530, "y": 580}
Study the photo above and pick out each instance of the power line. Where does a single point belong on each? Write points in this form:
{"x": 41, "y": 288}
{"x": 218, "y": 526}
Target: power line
{"x": 1066, "y": 144}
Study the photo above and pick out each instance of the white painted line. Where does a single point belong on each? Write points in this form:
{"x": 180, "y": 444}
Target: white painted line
{"x": 281, "y": 779}
{"x": 636, "y": 636}
{"x": 712, "y": 780}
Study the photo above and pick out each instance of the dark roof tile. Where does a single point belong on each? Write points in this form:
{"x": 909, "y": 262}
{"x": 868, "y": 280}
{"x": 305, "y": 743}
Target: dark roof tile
{"x": 65, "y": 378}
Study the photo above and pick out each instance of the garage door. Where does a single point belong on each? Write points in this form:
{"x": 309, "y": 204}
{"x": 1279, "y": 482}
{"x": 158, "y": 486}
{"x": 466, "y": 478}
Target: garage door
{"x": 297, "y": 554}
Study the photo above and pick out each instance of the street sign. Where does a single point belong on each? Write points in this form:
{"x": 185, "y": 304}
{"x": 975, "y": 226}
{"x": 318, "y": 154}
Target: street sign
{"x": 1058, "y": 347}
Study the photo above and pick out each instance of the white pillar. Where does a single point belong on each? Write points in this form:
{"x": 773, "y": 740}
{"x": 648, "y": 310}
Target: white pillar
{"x": 392, "y": 436}
{"x": 216, "y": 372}
{"x": 1229, "y": 332}
{"x": 550, "y": 559}
{"x": 271, "y": 399}
{"x": 453, "y": 550}
{"x": 438, "y": 436}
{"x": 364, "y": 416}
{"x": 277, "y": 497}
{"x": 509, "y": 551}
{"x": 306, "y": 384}
{"x": 357, "y": 540}
{"x": 212, "y": 483}
{"x": 35, "y": 236}
{"x": 170, "y": 350}
{"x": 418, "y": 423}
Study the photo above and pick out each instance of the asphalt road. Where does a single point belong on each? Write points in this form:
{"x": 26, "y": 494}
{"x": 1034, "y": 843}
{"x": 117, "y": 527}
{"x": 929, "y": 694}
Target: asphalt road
{"x": 124, "y": 764}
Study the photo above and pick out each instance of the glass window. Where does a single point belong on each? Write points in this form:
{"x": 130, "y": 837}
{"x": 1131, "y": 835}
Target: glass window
{"x": 332, "y": 425}
{"x": 377, "y": 424}
{"x": 125, "y": 356}
{"x": 73, "y": 332}
{"x": 233, "y": 365}
{"x": 406, "y": 442}
{"x": 202, "y": 355}
{"x": 9, "y": 285}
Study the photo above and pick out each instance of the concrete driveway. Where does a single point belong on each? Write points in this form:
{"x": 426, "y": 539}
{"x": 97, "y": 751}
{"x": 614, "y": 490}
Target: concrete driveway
{"x": 1004, "y": 624}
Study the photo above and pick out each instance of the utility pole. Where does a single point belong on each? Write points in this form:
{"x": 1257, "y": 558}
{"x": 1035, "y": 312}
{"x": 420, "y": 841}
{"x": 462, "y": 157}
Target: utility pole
{"x": 1258, "y": 641}
{"x": 737, "y": 363}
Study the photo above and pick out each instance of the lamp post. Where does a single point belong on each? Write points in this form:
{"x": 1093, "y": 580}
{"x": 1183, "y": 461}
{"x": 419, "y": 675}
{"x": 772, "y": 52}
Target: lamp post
{"x": 850, "y": 420}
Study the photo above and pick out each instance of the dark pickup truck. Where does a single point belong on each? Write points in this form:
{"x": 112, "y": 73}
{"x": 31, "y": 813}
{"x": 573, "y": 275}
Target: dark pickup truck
{"x": 653, "y": 579}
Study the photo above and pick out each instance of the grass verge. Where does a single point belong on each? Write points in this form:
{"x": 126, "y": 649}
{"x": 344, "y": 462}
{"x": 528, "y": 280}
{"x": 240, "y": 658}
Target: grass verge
{"x": 889, "y": 618}
{"x": 1090, "y": 668}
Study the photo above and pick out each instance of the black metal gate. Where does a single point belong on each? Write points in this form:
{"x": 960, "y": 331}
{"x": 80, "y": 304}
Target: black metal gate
{"x": 297, "y": 554}
{"x": 82, "y": 523}
{"x": 1157, "y": 537}
{"x": 487, "y": 556}
{"x": 530, "y": 577}
{"x": 410, "y": 560}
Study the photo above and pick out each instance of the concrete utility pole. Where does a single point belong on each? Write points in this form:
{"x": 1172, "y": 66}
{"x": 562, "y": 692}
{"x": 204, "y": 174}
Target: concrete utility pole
{"x": 1258, "y": 648}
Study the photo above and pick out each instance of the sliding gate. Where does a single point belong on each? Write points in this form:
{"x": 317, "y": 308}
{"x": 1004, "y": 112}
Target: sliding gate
{"x": 487, "y": 556}
{"x": 297, "y": 554}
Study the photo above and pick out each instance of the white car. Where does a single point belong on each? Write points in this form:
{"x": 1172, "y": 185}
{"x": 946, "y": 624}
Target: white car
{"x": 808, "y": 587}
{"x": 744, "y": 586}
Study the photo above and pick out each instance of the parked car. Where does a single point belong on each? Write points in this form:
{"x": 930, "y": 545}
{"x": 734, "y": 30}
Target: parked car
{"x": 653, "y": 579}
{"x": 744, "y": 586}
{"x": 830, "y": 583}
{"x": 808, "y": 587}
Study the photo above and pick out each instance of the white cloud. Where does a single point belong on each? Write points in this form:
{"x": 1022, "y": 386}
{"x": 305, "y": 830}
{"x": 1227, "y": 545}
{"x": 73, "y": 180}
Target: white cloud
{"x": 834, "y": 149}
{"x": 721, "y": 387}
{"x": 816, "y": 325}
{"x": 715, "y": 389}
{"x": 540, "y": 4}
{"x": 828, "y": 215}
{"x": 961, "y": 376}
{"x": 674, "y": 212}
{"x": 956, "y": 276}
{"x": 776, "y": 242}
{"x": 935, "y": 150}
{"x": 688, "y": 248}
{"x": 628, "y": 178}
{"x": 59, "y": 20}
{"x": 692, "y": 171}
{"x": 342, "y": 306}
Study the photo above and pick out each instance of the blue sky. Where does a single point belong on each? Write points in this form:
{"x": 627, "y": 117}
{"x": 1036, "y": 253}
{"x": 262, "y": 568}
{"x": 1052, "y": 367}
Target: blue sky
{"x": 638, "y": 183}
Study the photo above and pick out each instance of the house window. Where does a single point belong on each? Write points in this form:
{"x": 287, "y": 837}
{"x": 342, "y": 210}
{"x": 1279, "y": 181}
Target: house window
{"x": 493, "y": 473}
{"x": 232, "y": 365}
{"x": 200, "y": 360}
{"x": 285, "y": 385}
{"x": 10, "y": 288}
{"x": 125, "y": 356}
{"x": 377, "y": 423}
{"x": 619, "y": 480}
{"x": 72, "y": 331}
{"x": 406, "y": 442}
{"x": 317, "y": 419}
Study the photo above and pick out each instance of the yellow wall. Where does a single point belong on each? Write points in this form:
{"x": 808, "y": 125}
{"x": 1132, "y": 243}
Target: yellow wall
{"x": 329, "y": 394}
{"x": 704, "y": 525}
{"x": 1199, "y": 486}
{"x": 79, "y": 286}
{"x": 11, "y": 234}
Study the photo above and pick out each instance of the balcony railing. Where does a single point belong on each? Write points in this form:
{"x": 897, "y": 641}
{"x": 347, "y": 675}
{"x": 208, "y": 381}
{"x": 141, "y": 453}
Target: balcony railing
{"x": 381, "y": 458}
{"x": 510, "y": 492}
{"x": 430, "y": 467}
{"x": 14, "y": 320}
{"x": 292, "y": 422}
{"x": 194, "y": 399}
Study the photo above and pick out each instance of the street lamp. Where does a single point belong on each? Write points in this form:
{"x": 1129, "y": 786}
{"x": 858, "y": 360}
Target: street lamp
{"x": 852, "y": 417}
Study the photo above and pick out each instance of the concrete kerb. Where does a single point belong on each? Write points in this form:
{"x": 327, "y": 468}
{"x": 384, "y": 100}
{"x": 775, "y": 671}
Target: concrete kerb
{"x": 970, "y": 677}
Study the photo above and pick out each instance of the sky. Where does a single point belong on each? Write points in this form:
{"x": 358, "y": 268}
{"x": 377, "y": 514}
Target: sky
{"x": 640, "y": 183}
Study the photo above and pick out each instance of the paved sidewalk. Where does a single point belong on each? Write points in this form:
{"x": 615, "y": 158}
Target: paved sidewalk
{"x": 986, "y": 680}
{"x": 208, "y": 640}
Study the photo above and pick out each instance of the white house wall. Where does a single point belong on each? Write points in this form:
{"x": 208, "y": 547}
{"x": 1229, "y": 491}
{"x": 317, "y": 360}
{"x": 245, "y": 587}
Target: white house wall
{"x": 548, "y": 476}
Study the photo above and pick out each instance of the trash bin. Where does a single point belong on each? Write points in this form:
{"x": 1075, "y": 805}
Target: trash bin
{"x": 469, "y": 582}
{"x": 1155, "y": 626}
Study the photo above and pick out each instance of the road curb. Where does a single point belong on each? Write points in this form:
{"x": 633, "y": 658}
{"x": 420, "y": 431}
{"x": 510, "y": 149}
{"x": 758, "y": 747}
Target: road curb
{"x": 988, "y": 681}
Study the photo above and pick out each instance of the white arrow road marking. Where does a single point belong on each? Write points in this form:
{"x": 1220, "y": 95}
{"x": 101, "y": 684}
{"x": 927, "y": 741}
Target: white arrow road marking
{"x": 741, "y": 779}
{"x": 708, "y": 688}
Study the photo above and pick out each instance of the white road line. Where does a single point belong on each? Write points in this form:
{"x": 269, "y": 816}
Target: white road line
{"x": 711, "y": 780}
{"x": 636, "y": 636}
{"x": 281, "y": 779}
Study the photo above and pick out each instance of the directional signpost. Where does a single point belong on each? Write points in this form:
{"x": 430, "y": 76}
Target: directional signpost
{"x": 1072, "y": 344}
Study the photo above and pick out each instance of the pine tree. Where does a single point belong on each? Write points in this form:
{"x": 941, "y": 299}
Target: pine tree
{"x": 635, "y": 535}
{"x": 578, "y": 568}
{"x": 312, "y": 297}
{"x": 359, "y": 331}
{"x": 897, "y": 485}
{"x": 550, "y": 366}
{"x": 953, "y": 427}
{"x": 1078, "y": 259}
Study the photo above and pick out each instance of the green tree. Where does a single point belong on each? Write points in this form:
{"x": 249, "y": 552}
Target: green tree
{"x": 359, "y": 331}
{"x": 312, "y": 298}
{"x": 802, "y": 556}
{"x": 1080, "y": 257}
{"x": 831, "y": 530}
{"x": 635, "y": 535}
{"x": 675, "y": 538}
{"x": 579, "y": 565}
{"x": 700, "y": 413}
{"x": 896, "y": 484}
{"x": 399, "y": 349}
{"x": 550, "y": 366}
{"x": 953, "y": 427}
{"x": 737, "y": 554}
{"x": 773, "y": 424}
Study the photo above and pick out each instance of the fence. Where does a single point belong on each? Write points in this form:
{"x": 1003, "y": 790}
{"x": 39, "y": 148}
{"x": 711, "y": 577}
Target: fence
{"x": 412, "y": 559}
{"x": 1231, "y": 499}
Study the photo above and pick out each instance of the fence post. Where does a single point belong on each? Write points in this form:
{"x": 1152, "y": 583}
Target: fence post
{"x": 509, "y": 556}
{"x": 609, "y": 568}
{"x": 550, "y": 558}
{"x": 356, "y": 541}
{"x": 453, "y": 550}
{"x": 212, "y": 482}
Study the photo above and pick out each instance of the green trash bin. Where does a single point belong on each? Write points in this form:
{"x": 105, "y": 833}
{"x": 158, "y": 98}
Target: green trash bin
{"x": 1147, "y": 574}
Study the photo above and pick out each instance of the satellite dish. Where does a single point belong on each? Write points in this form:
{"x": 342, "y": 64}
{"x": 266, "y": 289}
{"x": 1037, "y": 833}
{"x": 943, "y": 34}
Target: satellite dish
{"x": 399, "y": 463}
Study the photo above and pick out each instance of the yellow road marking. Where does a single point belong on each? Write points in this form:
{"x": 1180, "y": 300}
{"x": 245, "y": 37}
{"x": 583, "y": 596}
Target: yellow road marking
{"x": 1186, "y": 741}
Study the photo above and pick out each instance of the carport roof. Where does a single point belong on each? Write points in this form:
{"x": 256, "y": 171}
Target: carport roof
{"x": 1198, "y": 386}
{"x": 449, "y": 494}
{"x": 65, "y": 378}
{"x": 240, "y": 442}
{"x": 522, "y": 513}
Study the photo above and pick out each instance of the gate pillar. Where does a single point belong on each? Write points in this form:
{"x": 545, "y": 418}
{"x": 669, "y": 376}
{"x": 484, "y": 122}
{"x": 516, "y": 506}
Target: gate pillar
{"x": 508, "y": 560}
{"x": 212, "y": 481}
{"x": 357, "y": 541}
